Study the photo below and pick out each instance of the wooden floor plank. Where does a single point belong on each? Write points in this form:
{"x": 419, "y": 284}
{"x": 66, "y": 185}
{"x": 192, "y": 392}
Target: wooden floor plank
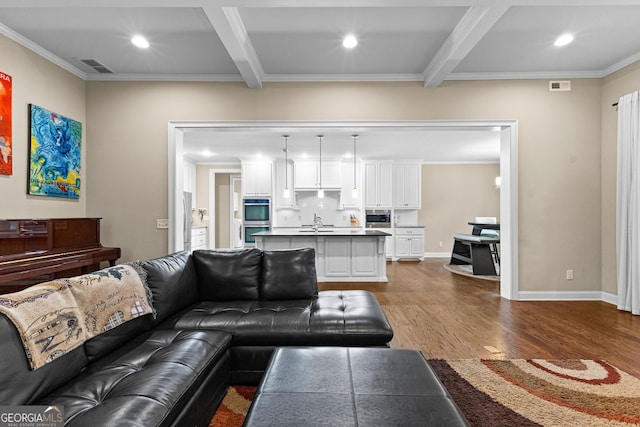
{"x": 449, "y": 316}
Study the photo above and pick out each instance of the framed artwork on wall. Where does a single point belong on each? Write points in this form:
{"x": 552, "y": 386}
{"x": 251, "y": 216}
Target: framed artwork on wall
{"x": 6, "y": 156}
{"x": 55, "y": 143}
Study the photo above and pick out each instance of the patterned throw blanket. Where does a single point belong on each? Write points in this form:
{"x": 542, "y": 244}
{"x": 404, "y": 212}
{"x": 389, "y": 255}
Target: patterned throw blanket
{"x": 55, "y": 317}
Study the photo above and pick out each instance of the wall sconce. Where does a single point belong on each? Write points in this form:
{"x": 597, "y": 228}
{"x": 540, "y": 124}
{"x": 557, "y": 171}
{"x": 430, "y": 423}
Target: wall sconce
{"x": 498, "y": 182}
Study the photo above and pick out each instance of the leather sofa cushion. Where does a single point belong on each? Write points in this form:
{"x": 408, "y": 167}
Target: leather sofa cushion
{"x": 226, "y": 275}
{"x": 288, "y": 274}
{"x": 152, "y": 382}
{"x": 113, "y": 339}
{"x": 19, "y": 384}
{"x": 331, "y": 318}
{"x": 173, "y": 283}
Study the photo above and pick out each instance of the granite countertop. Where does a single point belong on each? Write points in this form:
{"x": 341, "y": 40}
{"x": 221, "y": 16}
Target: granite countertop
{"x": 321, "y": 232}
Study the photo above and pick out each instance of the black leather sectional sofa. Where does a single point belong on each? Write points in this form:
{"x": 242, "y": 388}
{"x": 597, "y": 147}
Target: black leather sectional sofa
{"x": 219, "y": 316}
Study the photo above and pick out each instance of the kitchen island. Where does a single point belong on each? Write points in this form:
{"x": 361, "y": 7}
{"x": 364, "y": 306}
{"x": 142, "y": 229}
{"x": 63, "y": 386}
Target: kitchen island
{"x": 341, "y": 255}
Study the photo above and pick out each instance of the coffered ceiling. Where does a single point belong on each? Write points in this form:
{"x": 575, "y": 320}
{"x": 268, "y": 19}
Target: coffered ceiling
{"x": 300, "y": 40}
{"x": 261, "y": 41}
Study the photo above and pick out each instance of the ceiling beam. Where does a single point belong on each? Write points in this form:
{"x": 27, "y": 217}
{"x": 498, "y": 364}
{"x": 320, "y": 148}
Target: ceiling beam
{"x": 475, "y": 23}
{"x": 227, "y": 23}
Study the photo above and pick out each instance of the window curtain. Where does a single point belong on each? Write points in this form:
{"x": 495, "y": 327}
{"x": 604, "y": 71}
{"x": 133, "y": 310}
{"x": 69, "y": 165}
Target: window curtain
{"x": 628, "y": 203}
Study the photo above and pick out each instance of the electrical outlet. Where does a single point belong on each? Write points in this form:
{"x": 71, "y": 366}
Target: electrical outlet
{"x": 440, "y": 244}
{"x": 569, "y": 274}
{"x": 162, "y": 223}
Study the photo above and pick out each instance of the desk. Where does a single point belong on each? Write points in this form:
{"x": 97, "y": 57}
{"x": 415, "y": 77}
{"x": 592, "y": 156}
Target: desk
{"x": 478, "y": 250}
{"x": 479, "y": 226}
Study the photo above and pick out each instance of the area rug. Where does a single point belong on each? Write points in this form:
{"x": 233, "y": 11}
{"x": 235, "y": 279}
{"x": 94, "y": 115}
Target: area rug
{"x": 541, "y": 392}
{"x": 514, "y": 393}
{"x": 467, "y": 270}
{"x": 234, "y": 407}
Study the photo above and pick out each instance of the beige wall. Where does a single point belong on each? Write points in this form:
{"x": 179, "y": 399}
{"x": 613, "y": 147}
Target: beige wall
{"x": 613, "y": 87}
{"x": 559, "y": 152}
{"x": 126, "y": 178}
{"x": 38, "y": 81}
{"x": 453, "y": 195}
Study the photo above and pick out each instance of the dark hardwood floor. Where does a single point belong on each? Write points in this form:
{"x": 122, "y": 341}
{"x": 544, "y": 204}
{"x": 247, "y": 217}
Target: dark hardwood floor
{"x": 448, "y": 316}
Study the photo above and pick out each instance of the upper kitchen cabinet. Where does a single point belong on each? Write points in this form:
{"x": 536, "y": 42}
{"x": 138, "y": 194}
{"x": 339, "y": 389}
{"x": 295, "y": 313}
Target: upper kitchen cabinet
{"x": 284, "y": 179}
{"x": 377, "y": 184}
{"x": 406, "y": 186}
{"x": 256, "y": 178}
{"x": 349, "y": 178}
{"x": 189, "y": 180}
{"x": 307, "y": 175}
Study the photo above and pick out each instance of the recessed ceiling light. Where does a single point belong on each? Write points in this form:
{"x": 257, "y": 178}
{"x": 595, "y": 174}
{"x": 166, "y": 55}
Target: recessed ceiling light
{"x": 350, "y": 41}
{"x": 563, "y": 40}
{"x": 140, "y": 41}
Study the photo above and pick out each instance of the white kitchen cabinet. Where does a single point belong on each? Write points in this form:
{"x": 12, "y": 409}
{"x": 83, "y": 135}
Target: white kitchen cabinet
{"x": 198, "y": 238}
{"x": 337, "y": 257}
{"x": 282, "y": 174}
{"x": 256, "y": 178}
{"x": 347, "y": 201}
{"x": 377, "y": 184}
{"x": 307, "y": 175}
{"x": 406, "y": 185}
{"x": 189, "y": 180}
{"x": 409, "y": 243}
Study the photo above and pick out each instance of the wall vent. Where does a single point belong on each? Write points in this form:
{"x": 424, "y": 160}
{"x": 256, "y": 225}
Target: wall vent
{"x": 560, "y": 85}
{"x": 97, "y": 66}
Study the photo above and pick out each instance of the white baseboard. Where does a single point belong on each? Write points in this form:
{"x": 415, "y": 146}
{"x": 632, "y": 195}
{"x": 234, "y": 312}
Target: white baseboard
{"x": 437, "y": 254}
{"x": 568, "y": 296}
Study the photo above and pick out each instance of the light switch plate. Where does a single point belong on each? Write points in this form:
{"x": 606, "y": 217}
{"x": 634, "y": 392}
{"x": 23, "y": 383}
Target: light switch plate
{"x": 162, "y": 223}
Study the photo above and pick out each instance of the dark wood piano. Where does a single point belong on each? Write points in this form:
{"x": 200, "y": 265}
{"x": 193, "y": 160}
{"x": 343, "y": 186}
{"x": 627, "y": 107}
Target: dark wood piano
{"x": 38, "y": 250}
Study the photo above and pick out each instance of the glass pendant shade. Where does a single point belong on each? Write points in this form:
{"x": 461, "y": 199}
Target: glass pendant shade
{"x": 286, "y": 193}
{"x": 354, "y": 191}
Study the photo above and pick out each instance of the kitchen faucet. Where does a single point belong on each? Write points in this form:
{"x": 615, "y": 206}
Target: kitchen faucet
{"x": 317, "y": 221}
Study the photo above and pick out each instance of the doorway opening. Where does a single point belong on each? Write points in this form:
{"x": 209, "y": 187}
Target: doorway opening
{"x": 508, "y": 171}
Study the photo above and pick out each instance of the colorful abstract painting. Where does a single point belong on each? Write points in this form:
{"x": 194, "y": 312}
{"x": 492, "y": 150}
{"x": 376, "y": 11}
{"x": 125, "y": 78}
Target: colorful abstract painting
{"x": 6, "y": 157}
{"x": 54, "y": 160}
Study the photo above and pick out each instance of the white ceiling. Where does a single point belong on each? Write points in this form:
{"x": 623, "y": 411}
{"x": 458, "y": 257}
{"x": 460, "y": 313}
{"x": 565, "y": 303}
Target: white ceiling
{"x": 260, "y": 41}
{"x": 438, "y": 145}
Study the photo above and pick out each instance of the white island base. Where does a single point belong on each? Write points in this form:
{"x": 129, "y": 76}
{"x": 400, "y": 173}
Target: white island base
{"x": 357, "y": 256}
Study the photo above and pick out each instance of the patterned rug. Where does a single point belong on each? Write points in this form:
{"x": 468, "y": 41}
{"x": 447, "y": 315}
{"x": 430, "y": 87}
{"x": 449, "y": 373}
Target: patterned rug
{"x": 234, "y": 407}
{"x": 517, "y": 392}
{"x": 541, "y": 392}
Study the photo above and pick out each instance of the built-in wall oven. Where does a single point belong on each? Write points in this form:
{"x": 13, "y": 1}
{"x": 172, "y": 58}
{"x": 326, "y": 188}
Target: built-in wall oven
{"x": 256, "y": 217}
{"x": 249, "y": 230}
{"x": 256, "y": 210}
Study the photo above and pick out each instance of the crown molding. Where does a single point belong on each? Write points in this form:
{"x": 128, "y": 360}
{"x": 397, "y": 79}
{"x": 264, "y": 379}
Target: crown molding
{"x": 165, "y": 77}
{"x": 39, "y": 50}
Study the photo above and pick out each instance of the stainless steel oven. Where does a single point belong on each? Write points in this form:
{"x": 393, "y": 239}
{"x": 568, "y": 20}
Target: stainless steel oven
{"x": 378, "y": 218}
{"x": 256, "y": 210}
{"x": 248, "y": 230}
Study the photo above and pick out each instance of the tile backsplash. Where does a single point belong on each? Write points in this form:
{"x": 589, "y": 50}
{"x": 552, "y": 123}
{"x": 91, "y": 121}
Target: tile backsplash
{"x": 308, "y": 204}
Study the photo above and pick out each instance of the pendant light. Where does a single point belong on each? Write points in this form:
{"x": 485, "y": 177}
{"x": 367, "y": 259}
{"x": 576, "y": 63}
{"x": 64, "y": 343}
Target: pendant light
{"x": 320, "y": 189}
{"x": 286, "y": 193}
{"x": 354, "y": 190}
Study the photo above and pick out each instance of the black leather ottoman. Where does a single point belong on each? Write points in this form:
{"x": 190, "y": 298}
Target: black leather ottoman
{"x": 349, "y": 386}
